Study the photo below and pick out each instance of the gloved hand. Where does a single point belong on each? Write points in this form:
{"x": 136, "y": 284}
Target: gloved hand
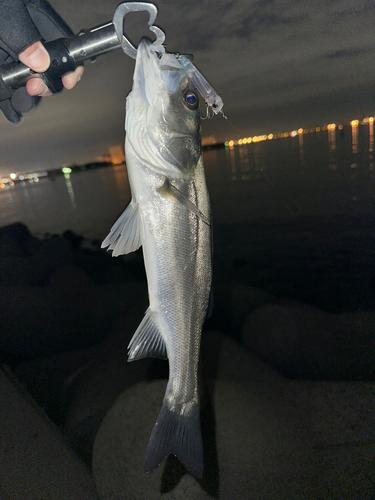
{"x": 22, "y": 23}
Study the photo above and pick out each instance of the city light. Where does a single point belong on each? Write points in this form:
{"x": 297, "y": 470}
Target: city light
{"x": 66, "y": 170}
{"x": 13, "y": 176}
{"x": 330, "y": 127}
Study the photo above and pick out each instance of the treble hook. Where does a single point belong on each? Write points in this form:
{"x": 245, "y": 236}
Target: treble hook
{"x": 118, "y": 22}
{"x": 209, "y": 113}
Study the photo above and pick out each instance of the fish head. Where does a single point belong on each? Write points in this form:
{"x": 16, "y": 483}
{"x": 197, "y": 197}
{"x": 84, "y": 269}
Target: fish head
{"x": 163, "y": 117}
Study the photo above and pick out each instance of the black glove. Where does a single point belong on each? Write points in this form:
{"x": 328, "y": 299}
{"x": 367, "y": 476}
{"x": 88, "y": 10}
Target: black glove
{"x": 22, "y": 23}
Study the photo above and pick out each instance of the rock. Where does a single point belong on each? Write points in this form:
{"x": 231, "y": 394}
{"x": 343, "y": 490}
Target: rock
{"x": 118, "y": 274}
{"x": 16, "y": 239}
{"x": 258, "y": 437}
{"x": 74, "y": 239}
{"x": 17, "y": 271}
{"x": 336, "y": 413}
{"x": 305, "y": 342}
{"x": 46, "y": 378}
{"x": 232, "y": 304}
{"x": 255, "y": 429}
{"x": 43, "y": 321}
{"x": 93, "y": 391}
{"x": 103, "y": 268}
{"x": 257, "y": 449}
{"x": 70, "y": 278}
{"x": 35, "y": 269}
{"x": 35, "y": 461}
{"x": 39, "y": 321}
{"x": 51, "y": 255}
{"x": 9, "y": 246}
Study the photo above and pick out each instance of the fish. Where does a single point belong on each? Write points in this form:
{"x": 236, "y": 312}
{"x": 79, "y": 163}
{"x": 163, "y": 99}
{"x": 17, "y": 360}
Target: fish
{"x": 169, "y": 215}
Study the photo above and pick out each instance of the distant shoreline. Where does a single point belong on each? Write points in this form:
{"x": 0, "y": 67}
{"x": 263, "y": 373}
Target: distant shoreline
{"x": 53, "y": 173}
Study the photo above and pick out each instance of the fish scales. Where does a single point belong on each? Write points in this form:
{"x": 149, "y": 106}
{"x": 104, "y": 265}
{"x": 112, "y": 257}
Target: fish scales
{"x": 169, "y": 215}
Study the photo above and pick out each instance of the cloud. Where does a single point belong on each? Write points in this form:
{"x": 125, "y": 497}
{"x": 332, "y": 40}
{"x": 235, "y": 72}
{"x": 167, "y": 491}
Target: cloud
{"x": 349, "y": 53}
{"x": 274, "y": 63}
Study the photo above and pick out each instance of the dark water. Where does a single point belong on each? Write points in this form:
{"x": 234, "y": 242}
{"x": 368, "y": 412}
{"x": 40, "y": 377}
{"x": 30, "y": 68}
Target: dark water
{"x": 292, "y": 216}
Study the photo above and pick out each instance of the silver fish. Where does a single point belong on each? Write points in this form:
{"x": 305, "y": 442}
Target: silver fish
{"x": 170, "y": 216}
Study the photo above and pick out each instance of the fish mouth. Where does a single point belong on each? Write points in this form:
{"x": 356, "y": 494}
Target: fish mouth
{"x": 147, "y": 72}
{"x": 165, "y": 61}
{"x": 155, "y": 71}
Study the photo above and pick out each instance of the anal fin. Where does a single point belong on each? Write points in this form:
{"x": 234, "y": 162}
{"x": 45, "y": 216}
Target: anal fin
{"x": 147, "y": 340}
{"x": 125, "y": 234}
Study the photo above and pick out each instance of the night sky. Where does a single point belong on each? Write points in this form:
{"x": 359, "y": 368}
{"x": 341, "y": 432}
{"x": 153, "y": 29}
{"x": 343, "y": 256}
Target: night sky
{"x": 278, "y": 65}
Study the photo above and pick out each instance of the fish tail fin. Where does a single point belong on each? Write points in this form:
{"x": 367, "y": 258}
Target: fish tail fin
{"x": 177, "y": 434}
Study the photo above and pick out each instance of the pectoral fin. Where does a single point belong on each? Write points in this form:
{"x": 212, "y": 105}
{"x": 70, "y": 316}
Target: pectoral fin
{"x": 125, "y": 234}
{"x": 168, "y": 190}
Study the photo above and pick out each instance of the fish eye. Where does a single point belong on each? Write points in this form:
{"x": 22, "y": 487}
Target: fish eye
{"x": 191, "y": 100}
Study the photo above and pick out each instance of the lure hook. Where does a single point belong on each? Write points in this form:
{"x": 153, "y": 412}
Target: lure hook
{"x": 209, "y": 113}
{"x": 118, "y": 22}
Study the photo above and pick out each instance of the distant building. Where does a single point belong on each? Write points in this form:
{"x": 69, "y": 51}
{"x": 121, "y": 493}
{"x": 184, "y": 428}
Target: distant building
{"x": 117, "y": 154}
{"x": 209, "y": 140}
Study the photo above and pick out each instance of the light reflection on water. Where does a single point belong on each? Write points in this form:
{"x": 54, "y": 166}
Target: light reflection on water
{"x": 332, "y": 139}
{"x": 70, "y": 190}
{"x": 301, "y": 150}
{"x": 355, "y": 135}
{"x": 371, "y": 136}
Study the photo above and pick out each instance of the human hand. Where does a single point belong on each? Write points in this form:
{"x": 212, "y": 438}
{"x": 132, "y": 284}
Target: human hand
{"x": 23, "y": 24}
{"x": 37, "y": 58}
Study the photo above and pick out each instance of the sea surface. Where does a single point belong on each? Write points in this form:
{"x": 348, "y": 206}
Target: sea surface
{"x": 292, "y": 216}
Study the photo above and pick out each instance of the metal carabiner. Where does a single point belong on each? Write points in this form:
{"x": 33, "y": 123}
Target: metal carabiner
{"x": 118, "y": 22}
